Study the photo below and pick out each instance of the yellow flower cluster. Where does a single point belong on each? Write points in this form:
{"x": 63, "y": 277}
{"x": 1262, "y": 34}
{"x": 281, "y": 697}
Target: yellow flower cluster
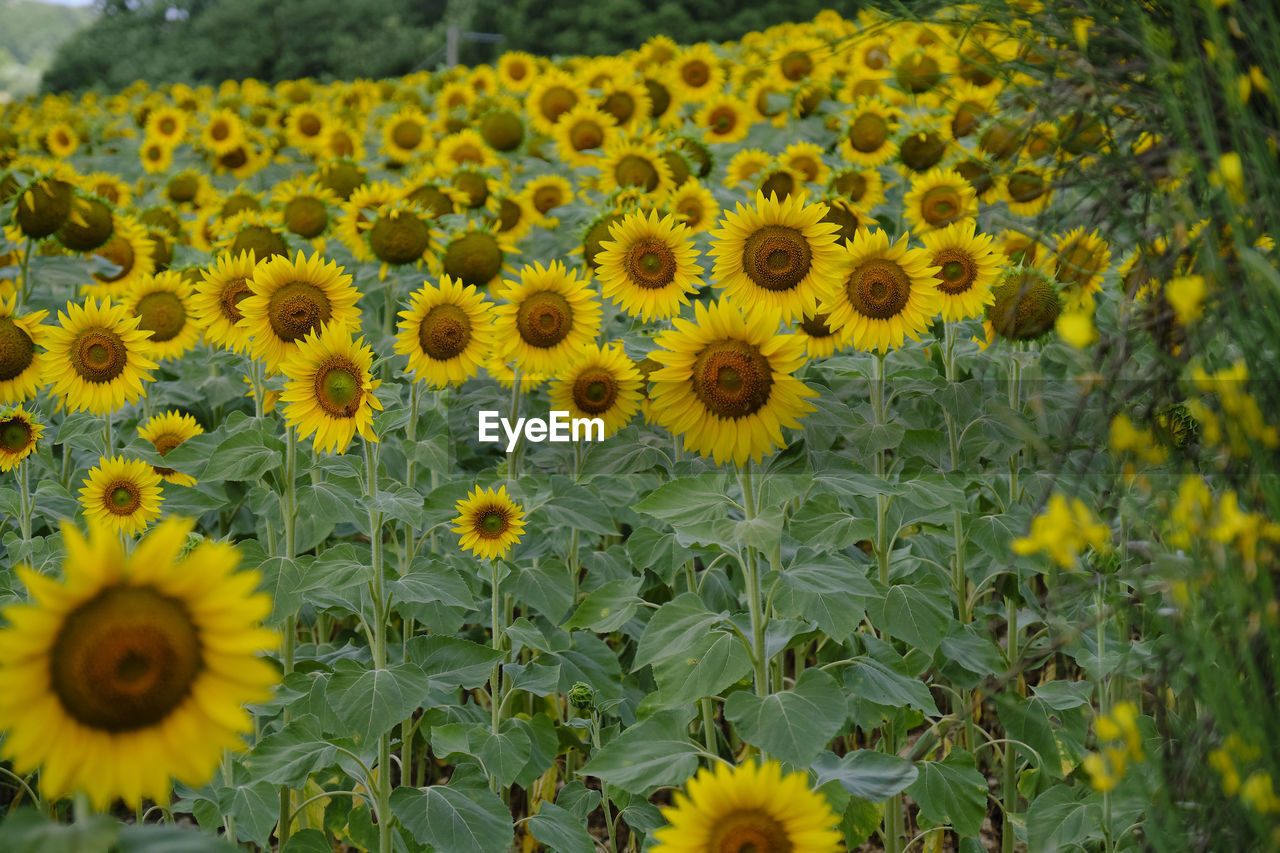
{"x": 1241, "y": 423}
{"x": 1064, "y": 530}
{"x": 1127, "y": 438}
{"x": 1124, "y": 746}
{"x": 1257, "y": 790}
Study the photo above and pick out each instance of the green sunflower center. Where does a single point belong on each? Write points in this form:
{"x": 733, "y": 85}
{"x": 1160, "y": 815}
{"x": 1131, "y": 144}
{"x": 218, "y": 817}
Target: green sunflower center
{"x": 98, "y": 355}
{"x": 878, "y": 288}
{"x": 941, "y": 206}
{"x": 544, "y": 319}
{"x": 1024, "y": 306}
{"x": 1026, "y": 186}
{"x": 399, "y": 238}
{"x": 407, "y": 134}
{"x": 651, "y": 264}
{"x": 43, "y": 208}
{"x": 492, "y": 522}
{"x": 781, "y": 184}
{"x": 776, "y": 257}
{"x": 306, "y": 216}
{"x": 17, "y": 350}
{"x": 474, "y": 185}
{"x": 921, "y": 151}
{"x": 868, "y": 133}
{"x": 556, "y": 101}
{"x": 296, "y": 309}
{"x": 595, "y": 234}
{"x": 547, "y": 197}
{"x": 732, "y": 378}
{"x": 585, "y": 135}
{"x": 125, "y": 659}
{"x": 620, "y": 105}
{"x": 123, "y": 498}
{"x": 851, "y": 184}
{"x": 338, "y": 388}
{"x": 474, "y": 258}
{"x": 595, "y": 390}
{"x": 636, "y": 171}
{"x": 259, "y": 239}
{"x": 162, "y": 314}
{"x": 444, "y": 332}
{"x": 957, "y": 271}
{"x": 659, "y": 96}
{"x": 749, "y": 831}
{"x": 503, "y": 130}
{"x": 432, "y": 200}
{"x": 509, "y": 214}
{"x": 183, "y": 187}
{"x": 15, "y": 435}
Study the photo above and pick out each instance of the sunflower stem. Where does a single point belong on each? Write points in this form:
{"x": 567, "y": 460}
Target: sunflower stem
{"x": 108, "y": 440}
{"x": 605, "y": 803}
{"x": 411, "y": 433}
{"x": 24, "y": 496}
{"x": 495, "y": 620}
{"x": 1009, "y": 786}
{"x": 379, "y": 650}
{"x": 513, "y": 456}
{"x": 1015, "y": 403}
{"x": 25, "y": 289}
{"x": 751, "y": 572}
{"x": 288, "y": 499}
{"x": 229, "y": 820}
{"x": 255, "y": 379}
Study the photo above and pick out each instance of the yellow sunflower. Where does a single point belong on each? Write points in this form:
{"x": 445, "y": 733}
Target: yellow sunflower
{"x": 464, "y": 147}
{"x": 694, "y": 205}
{"x": 329, "y": 389}
{"x": 968, "y": 265}
{"x": 216, "y": 301}
{"x": 156, "y": 156}
{"x": 95, "y": 357}
{"x": 22, "y": 359}
{"x": 1025, "y": 305}
{"x": 550, "y": 315}
{"x": 723, "y": 118}
{"x": 223, "y": 133}
{"x": 726, "y": 383}
{"x": 1027, "y": 190}
{"x": 552, "y": 94}
{"x": 582, "y": 132}
{"x": 447, "y": 332}
{"x": 123, "y": 494}
{"x": 648, "y": 266}
{"x": 514, "y": 216}
{"x": 163, "y": 305}
{"x": 696, "y": 72}
{"x": 141, "y": 660}
{"x": 886, "y": 293}
{"x": 517, "y": 70}
{"x": 90, "y": 223}
{"x": 745, "y": 166}
{"x": 546, "y": 193}
{"x": 62, "y": 140}
{"x": 938, "y": 198}
{"x": 629, "y": 164}
{"x": 820, "y": 339}
{"x": 490, "y": 523}
{"x": 131, "y": 252}
{"x": 259, "y": 231}
{"x": 404, "y": 135}
{"x": 356, "y": 217}
{"x": 167, "y": 124}
{"x": 399, "y": 235}
{"x": 778, "y": 258}
{"x": 628, "y": 101}
{"x": 289, "y": 299}
{"x": 19, "y": 432}
{"x": 806, "y": 158}
{"x": 1079, "y": 264}
{"x": 601, "y": 383}
{"x": 165, "y": 432}
{"x": 306, "y": 125}
{"x": 868, "y": 137}
{"x": 304, "y": 207}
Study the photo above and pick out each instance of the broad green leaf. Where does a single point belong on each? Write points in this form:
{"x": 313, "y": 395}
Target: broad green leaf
{"x": 871, "y": 680}
{"x": 703, "y": 668}
{"x": 546, "y": 588}
{"x": 453, "y": 820}
{"x": 1054, "y": 735}
{"x": 579, "y": 800}
{"x": 153, "y": 838}
{"x": 912, "y": 616}
{"x": 536, "y": 678}
{"x": 292, "y": 754}
{"x": 1064, "y": 816}
{"x": 371, "y": 701}
{"x": 652, "y": 753}
{"x": 256, "y": 808}
{"x": 560, "y": 831}
{"x": 952, "y": 792}
{"x": 607, "y": 608}
{"x": 431, "y": 580}
{"x": 794, "y": 724}
{"x": 576, "y": 507}
{"x": 860, "y": 819}
{"x": 27, "y": 831}
{"x": 657, "y": 551}
{"x": 672, "y": 628}
{"x": 503, "y": 754}
{"x": 700, "y": 497}
{"x": 866, "y": 773}
{"x": 821, "y": 523}
{"x": 307, "y": 841}
{"x": 453, "y": 662}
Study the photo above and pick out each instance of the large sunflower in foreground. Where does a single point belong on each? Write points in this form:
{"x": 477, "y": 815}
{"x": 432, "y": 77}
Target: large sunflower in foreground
{"x": 447, "y": 332}
{"x": 753, "y": 807}
{"x": 726, "y": 383}
{"x": 778, "y": 258}
{"x": 886, "y": 293}
{"x": 648, "y": 265}
{"x": 165, "y": 432}
{"x": 133, "y": 668}
{"x": 549, "y": 316}
{"x": 289, "y": 299}
{"x": 21, "y": 360}
{"x": 95, "y": 359}
{"x": 122, "y": 493}
{"x": 490, "y": 522}
{"x": 601, "y": 383}
{"x": 968, "y": 265}
{"x": 216, "y": 302}
{"x": 329, "y": 392}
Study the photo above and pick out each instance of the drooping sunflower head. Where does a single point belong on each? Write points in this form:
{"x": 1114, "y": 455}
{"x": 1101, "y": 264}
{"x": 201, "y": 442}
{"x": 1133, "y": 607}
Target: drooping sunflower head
{"x": 89, "y": 224}
{"x": 97, "y": 358}
{"x": 329, "y": 389}
{"x": 922, "y": 148}
{"x": 1025, "y": 305}
{"x": 19, "y": 432}
{"x": 254, "y": 231}
{"x": 122, "y": 493}
{"x": 163, "y": 305}
{"x": 342, "y": 177}
{"x": 648, "y": 265}
{"x": 846, "y": 216}
{"x": 43, "y": 207}
{"x": 447, "y": 332}
{"x": 22, "y": 358}
{"x": 165, "y": 432}
{"x": 489, "y": 522}
{"x": 476, "y": 255}
{"x": 549, "y": 316}
{"x": 968, "y": 265}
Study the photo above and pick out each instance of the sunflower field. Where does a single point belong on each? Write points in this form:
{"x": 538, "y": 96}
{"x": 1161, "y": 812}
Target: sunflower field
{"x": 858, "y": 436}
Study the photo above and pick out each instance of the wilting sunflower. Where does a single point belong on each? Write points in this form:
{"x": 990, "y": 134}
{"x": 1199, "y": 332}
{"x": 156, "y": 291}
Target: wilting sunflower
{"x": 967, "y": 265}
{"x": 288, "y": 299}
{"x": 694, "y": 206}
{"x": 752, "y": 807}
{"x": 123, "y": 494}
{"x": 130, "y": 250}
{"x": 549, "y": 316}
{"x": 404, "y": 135}
{"x": 163, "y": 305}
{"x": 490, "y": 523}
{"x": 868, "y": 138}
{"x": 631, "y": 164}
{"x": 648, "y": 265}
{"x": 601, "y": 383}
{"x": 140, "y": 661}
{"x": 726, "y": 383}
{"x": 95, "y": 357}
{"x": 329, "y": 392}
{"x": 447, "y": 332}
{"x": 778, "y": 258}
{"x": 89, "y": 224}
{"x": 19, "y": 432}
{"x": 22, "y": 359}
{"x": 165, "y": 432}
{"x": 886, "y": 293}
{"x": 216, "y": 301}
{"x": 938, "y": 198}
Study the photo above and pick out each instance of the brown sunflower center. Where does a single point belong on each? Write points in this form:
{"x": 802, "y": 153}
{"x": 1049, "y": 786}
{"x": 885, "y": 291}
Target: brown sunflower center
{"x": 695, "y": 73}
{"x": 167, "y": 125}
{"x": 816, "y": 326}
{"x": 162, "y": 314}
{"x": 492, "y": 522}
{"x": 407, "y": 134}
{"x": 444, "y": 332}
{"x": 878, "y": 288}
{"x": 957, "y": 271}
{"x": 651, "y": 264}
{"x": 1025, "y": 186}
{"x": 796, "y": 65}
{"x": 547, "y": 198}
{"x": 595, "y": 390}
{"x": 846, "y": 219}
{"x": 620, "y": 105}
{"x": 919, "y": 74}
{"x": 125, "y": 659}
{"x": 163, "y": 444}
{"x": 98, "y": 355}
{"x": 94, "y": 227}
{"x": 309, "y": 124}
{"x": 118, "y": 251}
{"x": 723, "y": 119}
{"x": 296, "y": 309}
{"x": 17, "y": 350}
{"x": 868, "y": 133}
{"x": 851, "y": 184}
{"x": 586, "y": 134}
{"x": 966, "y": 120}
{"x": 15, "y": 435}
{"x": 636, "y": 171}
{"x": 556, "y": 101}
{"x": 338, "y": 388}
{"x": 732, "y": 378}
{"x": 306, "y": 216}
{"x": 691, "y": 211}
{"x": 509, "y": 214}
{"x": 749, "y": 831}
{"x": 399, "y": 239}
{"x": 123, "y": 498}
{"x": 544, "y": 319}
{"x": 941, "y": 206}
{"x": 474, "y": 185}
{"x": 776, "y": 257}
{"x": 259, "y": 239}
{"x": 474, "y": 258}
{"x": 183, "y": 187}
{"x": 658, "y": 95}
{"x": 219, "y": 130}
{"x": 921, "y": 151}
{"x": 229, "y": 298}
{"x": 781, "y": 184}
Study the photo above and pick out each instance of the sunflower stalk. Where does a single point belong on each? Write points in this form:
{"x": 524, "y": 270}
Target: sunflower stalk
{"x": 382, "y": 784}
{"x": 751, "y": 571}
{"x": 288, "y": 500}
{"x": 25, "y": 290}
{"x": 410, "y": 476}
{"x": 1009, "y": 785}
{"x": 24, "y": 497}
{"x": 495, "y": 620}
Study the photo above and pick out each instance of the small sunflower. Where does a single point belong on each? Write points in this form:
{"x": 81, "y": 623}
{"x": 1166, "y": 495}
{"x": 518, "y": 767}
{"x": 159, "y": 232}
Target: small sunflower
{"x": 779, "y": 257}
{"x": 466, "y": 147}
{"x": 628, "y": 101}
{"x": 258, "y": 231}
{"x": 356, "y": 217}
{"x": 404, "y": 135}
{"x": 631, "y": 164}
{"x": 1026, "y": 190}
{"x": 477, "y": 254}
{"x": 514, "y": 216}
{"x": 938, "y": 198}
{"x": 517, "y": 70}
{"x": 304, "y": 207}
{"x": 863, "y": 188}
{"x": 162, "y": 304}
{"x": 601, "y": 383}
{"x": 22, "y": 358}
{"x": 648, "y": 266}
{"x": 306, "y": 125}
{"x": 490, "y": 523}
{"x": 95, "y": 357}
{"x": 726, "y": 383}
{"x": 753, "y": 807}
{"x": 723, "y": 118}
{"x": 289, "y": 299}
{"x": 968, "y": 265}
{"x": 223, "y": 133}
{"x": 549, "y": 316}
{"x": 1079, "y": 264}
{"x": 745, "y": 166}
{"x": 847, "y": 218}
{"x": 90, "y": 223}
{"x": 820, "y": 339}
{"x": 694, "y": 206}
{"x": 140, "y": 660}
{"x": 165, "y": 432}
{"x": 868, "y": 138}
{"x": 887, "y": 292}
{"x": 447, "y": 332}
{"x": 43, "y": 207}
{"x": 329, "y": 389}
{"x": 19, "y": 432}
{"x": 546, "y": 193}
{"x": 61, "y": 140}
{"x": 552, "y": 94}
{"x": 582, "y": 133}
{"x": 131, "y": 252}
{"x": 216, "y": 301}
{"x": 167, "y": 124}
{"x": 124, "y": 494}
{"x": 696, "y": 72}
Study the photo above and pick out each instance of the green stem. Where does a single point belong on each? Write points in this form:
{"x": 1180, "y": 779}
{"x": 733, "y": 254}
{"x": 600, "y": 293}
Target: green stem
{"x": 604, "y": 786}
{"x": 228, "y": 820}
{"x": 24, "y": 497}
{"x": 25, "y": 290}
{"x": 410, "y": 475}
{"x": 288, "y": 507}
{"x": 495, "y": 620}
{"x": 513, "y": 456}
{"x": 379, "y": 626}
{"x": 255, "y": 379}
{"x": 1009, "y": 787}
{"x": 751, "y": 570}
{"x": 1015, "y": 403}
{"x": 108, "y": 439}
{"x": 65, "y": 475}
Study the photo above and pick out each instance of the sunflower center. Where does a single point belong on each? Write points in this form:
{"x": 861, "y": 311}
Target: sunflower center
{"x": 846, "y": 219}
{"x": 652, "y": 264}
{"x": 920, "y": 151}
{"x": 474, "y": 185}
{"x": 492, "y": 523}
{"x": 306, "y": 216}
{"x": 776, "y": 257}
{"x": 868, "y": 133}
{"x": 695, "y": 73}
{"x": 125, "y": 659}
{"x": 123, "y": 498}
{"x": 732, "y": 378}
{"x": 117, "y": 251}
{"x": 509, "y": 215}
{"x": 595, "y": 391}
{"x": 620, "y": 105}
{"x": 781, "y": 184}
{"x": 957, "y": 271}
{"x": 749, "y": 831}
{"x": 852, "y": 185}
{"x": 724, "y": 119}
{"x": 338, "y": 388}
{"x": 941, "y": 206}
{"x": 444, "y": 332}
{"x": 98, "y": 355}
{"x": 259, "y": 239}
{"x": 816, "y": 326}
{"x": 796, "y": 65}
{"x": 585, "y": 135}
{"x": 17, "y": 350}
{"x": 184, "y": 187}
{"x": 878, "y": 288}
{"x": 162, "y": 314}
{"x": 168, "y": 125}
{"x": 556, "y": 101}
{"x": 15, "y": 435}
{"x": 309, "y": 124}
{"x": 1025, "y": 306}
{"x": 544, "y": 319}
{"x": 407, "y": 134}
{"x": 399, "y": 239}
{"x": 966, "y": 120}
{"x": 547, "y": 198}
{"x": 635, "y": 171}
{"x": 219, "y": 131}
{"x": 1025, "y": 186}
{"x": 229, "y": 299}
{"x": 919, "y": 74}
{"x": 96, "y": 230}
{"x": 296, "y": 309}
{"x": 474, "y": 258}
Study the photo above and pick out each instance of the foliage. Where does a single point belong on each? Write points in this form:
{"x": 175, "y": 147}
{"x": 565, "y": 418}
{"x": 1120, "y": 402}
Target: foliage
{"x": 30, "y": 33}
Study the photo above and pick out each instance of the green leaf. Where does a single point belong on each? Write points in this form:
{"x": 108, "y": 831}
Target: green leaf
{"x": 871, "y": 680}
{"x": 256, "y": 808}
{"x": 292, "y": 754}
{"x": 672, "y": 628}
{"x": 1054, "y": 735}
{"x": 536, "y": 678}
{"x": 607, "y": 608}
{"x": 503, "y": 754}
{"x": 866, "y": 773}
{"x": 831, "y": 590}
{"x": 452, "y": 662}
{"x": 952, "y": 792}
{"x": 912, "y": 616}
{"x": 560, "y": 830}
{"x": 578, "y": 799}
{"x": 546, "y": 588}
{"x": 576, "y": 507}
{"x": 371, "y": 701}
{"x": 430, "y": 580}
{"x": 152, "y": 838}
{"x": 307, "y": 841}
{"x": 27, "y": 831}
{"x": 449, "y": 819}
{"x": 1064, "y": 816}
{"x": 704, "y": 668}
{"x": 700, "y": 497}
{"x": 860, "y": 819}
{"x": 794, "y": 724}
{"x": 821, "y": 523}
{"x": 657, "y": 551}
{"x": 654, "y": 752}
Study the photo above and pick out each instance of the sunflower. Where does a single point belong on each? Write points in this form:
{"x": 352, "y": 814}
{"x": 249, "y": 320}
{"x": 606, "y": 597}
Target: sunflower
{"x": 90, "y": 223}
{"x": 329, "y": 389}
{"x": 632, "y": 164}
{"x": 167, "y": 124}
{"x": 938, "y": 198}
{"x": 723, "y": 118}
{"x": 477, "y": 254}
{"x": 778, "y": 180}
{"x": 806, "y": 158}
{"x": 357, "y": 215}
{"x": 847, "y": 218}
{"x": 726, "y": 382}
{"x": 693, "y": 205}
{"x": 288, "y": 299}
{"x": 62, "y": 140}
{"x": 582, "y": 132}
{"x": 517, "y": 70}
{"x": 223, "y": 134}
{"x": 162, "y": 304}
{"x": 399, "y": 235}
{"x": 546, "y": 193}
{"x": 600, "y": 383}
{"x": 628, "y": 101}
{"x": 820, "y": 339}
{"x": 1025, "y": 305}
{"x": 778, "y": 258}
{"x": 404, "y": 135}
{"x": 258, "y": 231}
{"x": 968, "y": 265}
{"x": 887, "y": 293}
{"x": 165, "y": 432}
{"x": 216, "y": 301}
{"x": 648, "y": 265}
{"x": 1079, "y": 265}
{"x": 464, "y": 147}
{"x": 95, "y": 357}
{"x": 189, "y": 187}
{"x": 42, "y": 207}
{"x": 664, "y": 110}
{"x": 22, "y": 358}
{"x": 922, "y": 147}
{"x": 447, "y": 332}
{"x": 108, "y": 187}
{"x": 549, "y": 316}
{"x": 123, "y": 494}
{"x": 19, "y": 432}
{"x": 490, "y": 523}
{"x": 514, "y": 216}
{"x": 304, "y": 207}
{"x": 305, "y": 126}
{"x": 341, "y": 140}
{"x": 130, "y": 251}
{"x": 552, "y": 94}
{"x": 745, "y": 166}
{"x": 1027, "y": 190}
{"x": 696, "y": 72}
{"x": 868, "y": 137}
{"x": 140, "y": 660}
{"x": 502, "y": 128}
